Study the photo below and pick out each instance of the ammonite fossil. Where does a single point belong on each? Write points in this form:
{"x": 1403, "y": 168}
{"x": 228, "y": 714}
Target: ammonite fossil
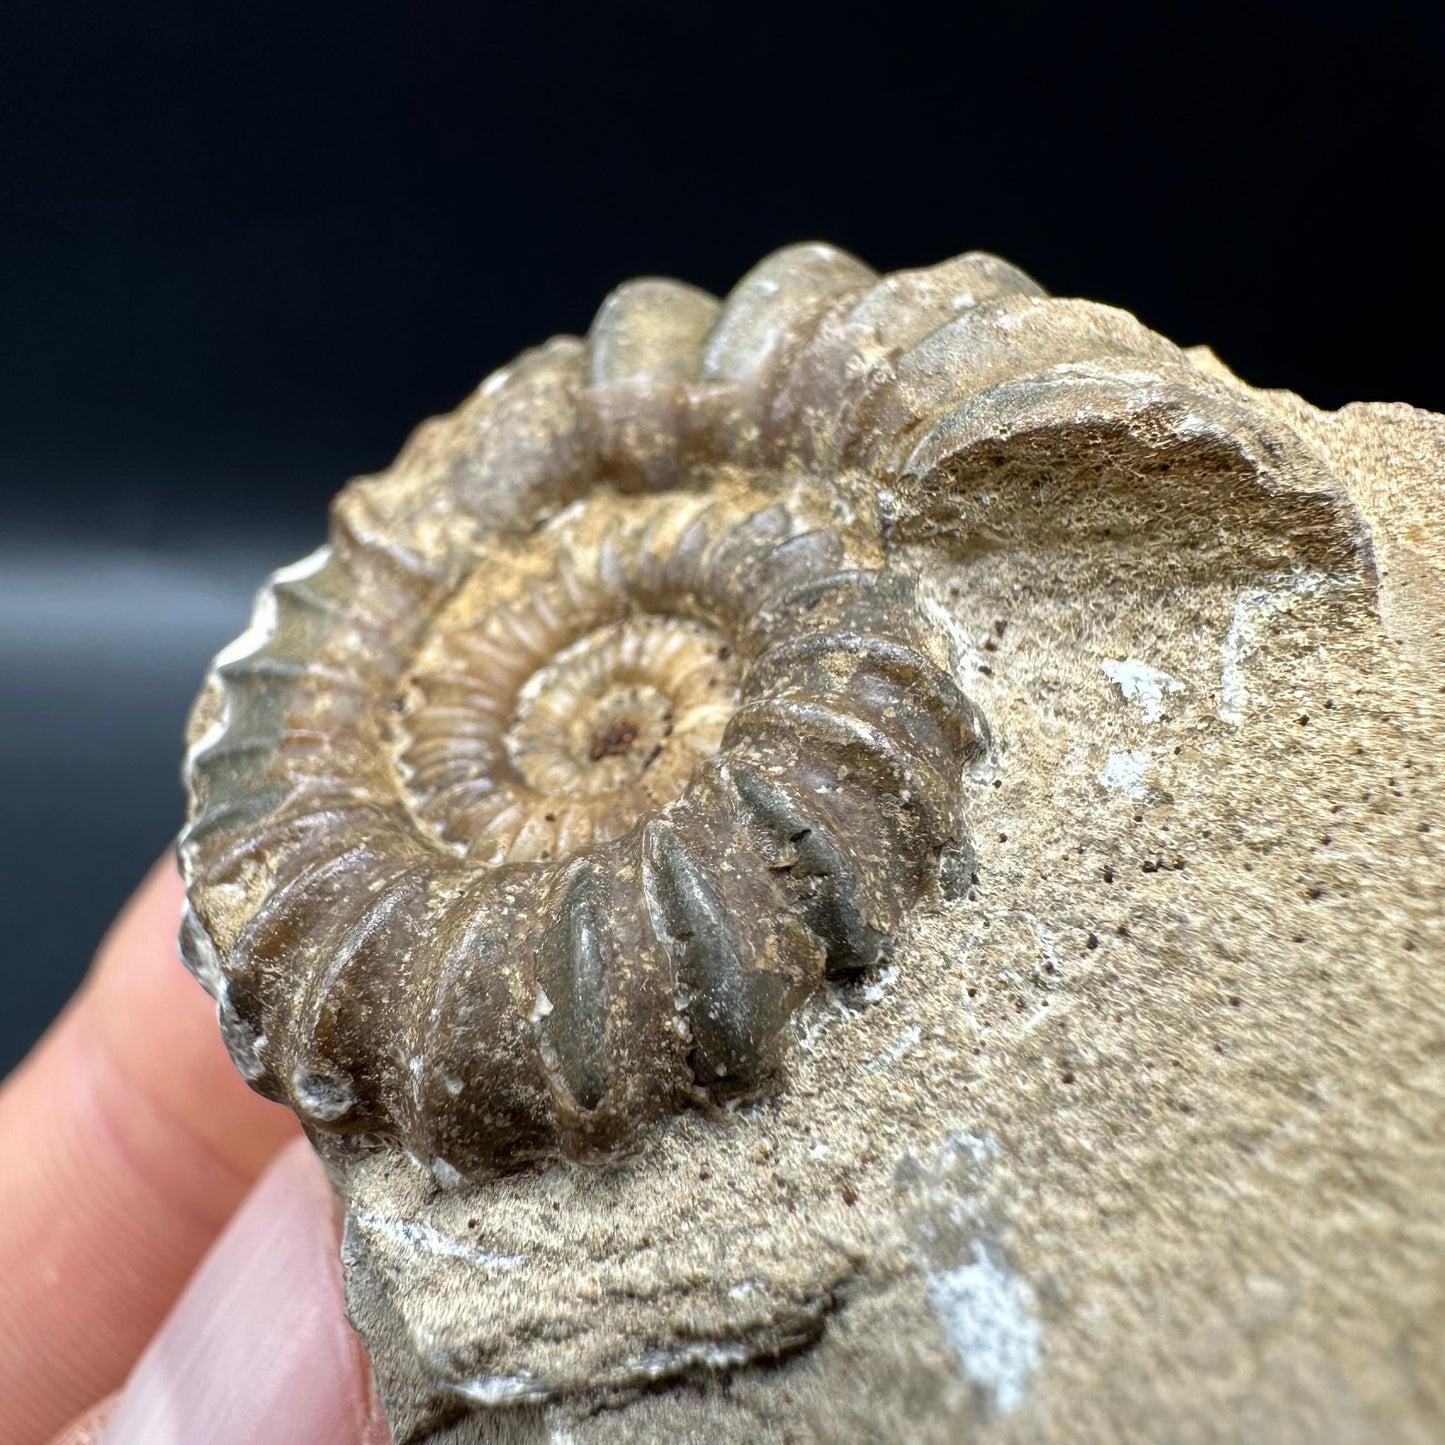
{"x": 558, "y": 780}
{"x": 596, "y": 797}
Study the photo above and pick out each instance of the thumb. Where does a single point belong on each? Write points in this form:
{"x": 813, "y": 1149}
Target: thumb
{"x": 257, "y": 1350}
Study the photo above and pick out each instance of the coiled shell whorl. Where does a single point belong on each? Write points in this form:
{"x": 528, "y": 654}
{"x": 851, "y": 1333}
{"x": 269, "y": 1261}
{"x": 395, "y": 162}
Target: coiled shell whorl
{"x": 603, "y": 730}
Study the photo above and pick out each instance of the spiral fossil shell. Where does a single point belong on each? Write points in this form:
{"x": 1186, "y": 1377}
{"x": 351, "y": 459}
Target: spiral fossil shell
{"x": 530, "y": 808}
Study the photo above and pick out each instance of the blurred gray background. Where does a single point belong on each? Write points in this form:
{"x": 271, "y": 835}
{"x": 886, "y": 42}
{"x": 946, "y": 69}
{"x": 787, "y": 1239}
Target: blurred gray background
{"x": 244, "y": 249}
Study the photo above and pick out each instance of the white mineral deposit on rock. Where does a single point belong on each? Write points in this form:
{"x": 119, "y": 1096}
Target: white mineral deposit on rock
{"x": 1125, "y": 771}
{"x": 1142, "y": 684}
{"x": 987, "y": 1312}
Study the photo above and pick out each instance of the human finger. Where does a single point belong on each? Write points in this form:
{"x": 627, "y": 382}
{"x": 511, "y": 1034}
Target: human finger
{"x": 257, "y": 1350}
{"x": 128, "y": 1139}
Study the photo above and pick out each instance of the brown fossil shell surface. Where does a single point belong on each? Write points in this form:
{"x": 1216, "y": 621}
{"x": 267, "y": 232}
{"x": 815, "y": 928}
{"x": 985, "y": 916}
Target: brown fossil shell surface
{"x": 554, "y": 784}
{"x": 577, "y": 844}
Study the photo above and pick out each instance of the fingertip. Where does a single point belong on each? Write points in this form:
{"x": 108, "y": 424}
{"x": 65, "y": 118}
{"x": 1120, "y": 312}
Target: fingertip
{"x": 257, "y": 1350}
{"x": 128, "y": 1139}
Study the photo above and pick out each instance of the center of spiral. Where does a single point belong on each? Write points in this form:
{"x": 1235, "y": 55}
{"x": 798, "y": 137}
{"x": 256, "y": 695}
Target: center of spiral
{"x": 623, "y": 713}
{"x": 614, "y": 740}
{"x": 531, "y": 751}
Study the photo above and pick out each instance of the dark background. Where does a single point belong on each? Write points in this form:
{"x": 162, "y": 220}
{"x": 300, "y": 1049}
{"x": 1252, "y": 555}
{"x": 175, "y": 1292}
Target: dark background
{"x": 244, "y": 248}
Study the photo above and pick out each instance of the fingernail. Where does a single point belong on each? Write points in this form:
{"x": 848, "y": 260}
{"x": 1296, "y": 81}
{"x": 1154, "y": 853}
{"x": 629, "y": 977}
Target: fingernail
{"x": 257, "y": 1350}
